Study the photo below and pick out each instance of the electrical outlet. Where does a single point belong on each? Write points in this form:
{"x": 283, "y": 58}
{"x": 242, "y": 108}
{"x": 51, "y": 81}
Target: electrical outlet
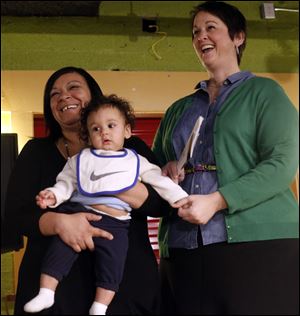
{"x": 149, "y": 25}
{"x": 267, "y": 10}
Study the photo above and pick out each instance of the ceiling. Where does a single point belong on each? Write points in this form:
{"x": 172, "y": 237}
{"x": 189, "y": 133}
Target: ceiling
{"x": 50, "y": 8}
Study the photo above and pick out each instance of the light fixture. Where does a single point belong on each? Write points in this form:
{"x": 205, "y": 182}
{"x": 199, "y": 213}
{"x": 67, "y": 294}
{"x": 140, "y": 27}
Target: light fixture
{"x": 268, "y": 10}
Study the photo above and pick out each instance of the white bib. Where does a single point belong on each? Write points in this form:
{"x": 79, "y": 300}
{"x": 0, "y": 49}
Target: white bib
{"x": 102, "y": 172}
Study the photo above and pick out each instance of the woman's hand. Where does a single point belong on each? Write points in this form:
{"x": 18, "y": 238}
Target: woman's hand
{"x": 199, "y": 209}
{"x": 171, "y": 170}
{"x": 136, "y": 196}
{"x": 74, "y": 229}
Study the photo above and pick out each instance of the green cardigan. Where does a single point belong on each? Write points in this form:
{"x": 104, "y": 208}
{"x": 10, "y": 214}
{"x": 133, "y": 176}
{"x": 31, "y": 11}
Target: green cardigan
{"x": 256, "y": 152}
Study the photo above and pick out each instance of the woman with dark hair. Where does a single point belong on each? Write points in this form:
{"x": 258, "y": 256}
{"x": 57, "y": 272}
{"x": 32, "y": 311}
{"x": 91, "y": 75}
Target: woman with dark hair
{"x": 53, "y": 127}
{"x": 68, "y": 91}
{"x": 232, "y": 248}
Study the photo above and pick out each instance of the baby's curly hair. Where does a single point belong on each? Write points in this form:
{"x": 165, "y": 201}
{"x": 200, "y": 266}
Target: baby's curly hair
{"x": 104, "y": 101}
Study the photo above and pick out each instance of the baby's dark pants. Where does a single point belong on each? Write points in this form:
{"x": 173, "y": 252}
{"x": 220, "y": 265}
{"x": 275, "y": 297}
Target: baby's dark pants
{"x": 110, "y": 255}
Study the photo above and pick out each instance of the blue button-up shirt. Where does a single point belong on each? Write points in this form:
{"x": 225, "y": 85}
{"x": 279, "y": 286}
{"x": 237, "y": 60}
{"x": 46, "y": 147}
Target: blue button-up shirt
{"x": 183, "y": 234}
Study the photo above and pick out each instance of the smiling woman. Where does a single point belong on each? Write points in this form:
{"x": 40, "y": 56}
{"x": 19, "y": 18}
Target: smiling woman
{"x": 68, "y": 96}
{"x": 240, "y": 210}
{"x": 36, "y": 168}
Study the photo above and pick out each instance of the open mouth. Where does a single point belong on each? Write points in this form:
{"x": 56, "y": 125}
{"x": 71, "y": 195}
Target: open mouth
{"x": 207, "y": 48}
{"x": 68, "y": 107}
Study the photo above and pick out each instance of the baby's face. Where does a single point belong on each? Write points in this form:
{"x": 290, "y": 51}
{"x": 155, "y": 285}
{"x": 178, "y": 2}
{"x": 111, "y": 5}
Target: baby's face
{"x": 107, "y": 128}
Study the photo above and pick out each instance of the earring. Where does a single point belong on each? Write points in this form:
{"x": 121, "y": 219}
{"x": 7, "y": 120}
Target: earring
{"x": 237, "y": 50}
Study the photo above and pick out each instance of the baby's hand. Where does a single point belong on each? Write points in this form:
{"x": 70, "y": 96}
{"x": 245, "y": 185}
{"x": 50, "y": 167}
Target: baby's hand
{"x": 45, "y": 198}
{"x": 184, "y": 202}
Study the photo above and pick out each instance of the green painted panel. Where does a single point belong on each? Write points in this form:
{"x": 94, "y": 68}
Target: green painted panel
{"x": 115, "y": 40}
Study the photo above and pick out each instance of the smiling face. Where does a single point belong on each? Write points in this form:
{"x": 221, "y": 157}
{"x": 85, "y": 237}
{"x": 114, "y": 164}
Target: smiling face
{"x": 69, "y": 94}
{"x": 107, "y": 128}
{"x": 212, "y": 43}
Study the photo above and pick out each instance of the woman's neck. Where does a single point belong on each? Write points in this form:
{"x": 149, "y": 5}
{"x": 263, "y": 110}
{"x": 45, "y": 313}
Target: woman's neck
{"x": 216, "y": 81}
{"x": 70, "y": 143}
{"x": 217, "y": 77}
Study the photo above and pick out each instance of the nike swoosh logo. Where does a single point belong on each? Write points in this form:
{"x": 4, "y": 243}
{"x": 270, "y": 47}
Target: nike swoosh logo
{"x": 94, "y": 177}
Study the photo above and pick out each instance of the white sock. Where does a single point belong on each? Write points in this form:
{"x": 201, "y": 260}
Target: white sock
{"x": 43, "y": 300}
{"x": 98, "y": 309}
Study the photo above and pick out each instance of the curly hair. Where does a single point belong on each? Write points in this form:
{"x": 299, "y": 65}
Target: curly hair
{"x": 105, "y": 101}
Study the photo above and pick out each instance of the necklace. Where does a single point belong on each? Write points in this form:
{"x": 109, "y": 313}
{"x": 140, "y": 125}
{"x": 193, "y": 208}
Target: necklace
{"x": 67, "y": 148}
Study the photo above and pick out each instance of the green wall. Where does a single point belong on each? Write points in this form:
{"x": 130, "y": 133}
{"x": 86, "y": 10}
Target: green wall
{"x": 115, "y": 41}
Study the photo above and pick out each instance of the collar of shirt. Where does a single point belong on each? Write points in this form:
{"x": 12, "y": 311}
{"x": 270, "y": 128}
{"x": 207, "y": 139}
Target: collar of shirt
{"x": 241, "y": 75}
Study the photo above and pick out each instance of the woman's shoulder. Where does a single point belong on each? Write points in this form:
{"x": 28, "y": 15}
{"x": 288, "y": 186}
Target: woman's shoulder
{"x": 179, "y": 106}
{"x": 185, "y": 99}
{"x": 37, "y": 145}
{"x": 39, "y": 142}
{"x": 263, "y": 82}
{"x": 135, "y": 143}
{"x": 140, "y": 147}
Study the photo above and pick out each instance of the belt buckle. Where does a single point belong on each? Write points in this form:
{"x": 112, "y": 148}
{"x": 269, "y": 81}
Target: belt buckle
{"x": 199, "y": 167}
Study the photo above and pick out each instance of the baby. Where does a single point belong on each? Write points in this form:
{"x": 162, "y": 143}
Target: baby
{"x": 92, "y": 178}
